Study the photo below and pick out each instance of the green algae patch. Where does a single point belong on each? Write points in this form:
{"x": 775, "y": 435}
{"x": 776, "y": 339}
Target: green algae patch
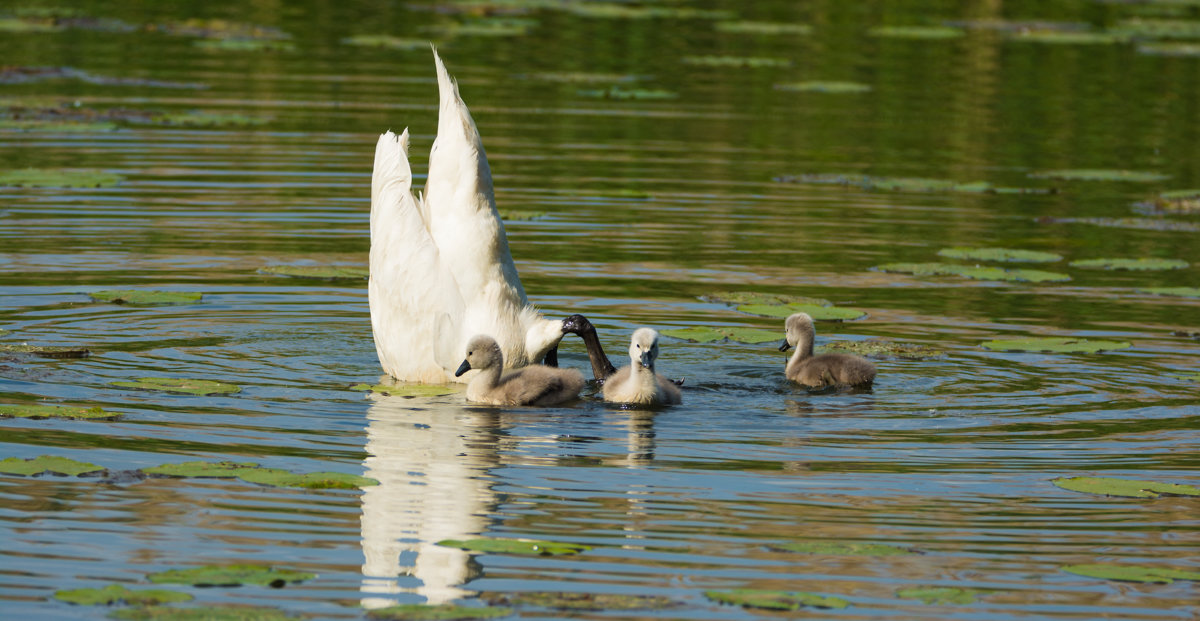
{"x": 38, "y": 412}
{"x": 1131, "y": 264}
{"x": 876, "y": 348}
{"x": 1181, "y": 292}
{"x": 754, "y": 297}
{"x": 844, "y": 548}
{"x": 745, "y": 62}
{"x": 1126, "y": 488}
{"x": 940, "y": 595}
{"x": 181, "y": 385}
{"x": 230, "y": 575}
{"x": 1011, "y": 255}
{"x": 974, "y": 272}
{"x": 583, "y": 601}
{"x": 619, "y": 93}
{"x": 819, "y": 86}
{"x": 118, "y": 594}
{"x": 818, "y": 313}
{"x": 47, "y": 464}
{"x": 386, "y": 41}
{"x": 763, "y": 28}
{"x": 517, "y": 215}
{"x": 526, "y": 547}
{"x": 776, "y": 600}
{"x": 443, "y": 612}
{"x": 917, "y": 32}
{"x": 137, "y": 297}
{"x": 1132, "y": 573}
{"x": 47, "y": 351}
{"x": 699, "y": 334}
{"x": 319, "y": 272}
{"x": 1055, "y": 344}
{"x": 204, "y": 613}
{"x": 407, "y": 390}
{"x": 1100, "y": 174}
{"x": 58, "y": 178}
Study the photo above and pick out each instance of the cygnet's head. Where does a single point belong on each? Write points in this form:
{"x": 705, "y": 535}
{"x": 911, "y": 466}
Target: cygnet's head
{"x": 796, "y": 326}
{"x": 483, "y": 352}
{"x": 643, "y": 347}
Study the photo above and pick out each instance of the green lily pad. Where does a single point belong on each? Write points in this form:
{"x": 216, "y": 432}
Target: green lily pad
{"x": 1055, "y": 344}
{"x": 905, "y": 184}
{"x": 1169, "y": 48}
{"x": 27, "y": 25}
{"x": 181, "y": 385}
{"x": 253, "y": 473}
{"x": 386, "y": 41}
{"x": 818, "y": 313}
{"x": 776, "y": 600}
{"x": 1100, "y": 174}
{"x": 940, "y": 595}
{"x": 220, "y": 469}
{"x": 245, "y": 45}
{"x": 118, "y": 594}
{"x": 58, "y": 178}
{"x": 616, "y": 92}
{"x": 736, "y": 61}
{"x": 515, "y": 546}
{"x": 1012, "y": 255}
{"x": 207, "y": 119}
{"x": 486, "y": 27}
{"x": 1193, "y": 377}
{"x": 1182, "y": 292}
{"x": 444, "y": 612}
{"x": 1068, "y": 37}
{"x": 1127, "y": 488}
{"x": 139, "y": 297}
{"x": 230, "y": 575}
{"x": 204, "y": 613}
{"x": 875, "y": 348}
{"x": 763, "y": 28}
{"x": 513, "y": 215}
{"x": 319, "y": 272}
{"x": 57, "y": 125}
{"x": 407, "y": 390}
{"x": 754, "y": 297}
{"x": 1131, "y": 264}
{"x": 1132, "y": 573}
{"x": 818, "y": 86}
{"x": 1158, "y": 28}
{"x": 1175, "y": 202}
{"x": 47, "y": 463}
{"x": 974, "y": 272}
{"x": 584, "y": 601}
{"x": 917, "y": 32}
{"x": 47, "y": 351}
{"x": 628, "y": 11}
{"x": 55, "y": 411}
{"x": 698, "y": 334}
{"x": 844, "y": 548}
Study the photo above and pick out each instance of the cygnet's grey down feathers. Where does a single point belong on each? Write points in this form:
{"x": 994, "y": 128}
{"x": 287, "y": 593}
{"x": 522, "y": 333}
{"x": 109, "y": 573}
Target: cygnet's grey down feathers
{"x": 824, "y": 370}
{"x": 530, "y": 385}
{"x": 638, "y": 383}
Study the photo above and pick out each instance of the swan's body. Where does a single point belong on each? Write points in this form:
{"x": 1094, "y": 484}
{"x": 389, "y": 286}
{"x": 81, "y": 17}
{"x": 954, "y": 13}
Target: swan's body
{"x": 441, "y": 270}
{"x": 531, "y": 385}
{"x": 824, "y": 370}
{"x": 638, "y": 383}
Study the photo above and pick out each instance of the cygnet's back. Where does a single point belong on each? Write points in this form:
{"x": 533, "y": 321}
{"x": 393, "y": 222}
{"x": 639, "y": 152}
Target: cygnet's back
{"x": 638, "y": 383}
{"x": 824, "y": 370}
{"x": 531, "y": 385}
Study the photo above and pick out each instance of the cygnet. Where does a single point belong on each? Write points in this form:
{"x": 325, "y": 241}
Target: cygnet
{"x": 824, "y": 370}
{"x": 638, "y": 383}
{"x": 530, "y": 385}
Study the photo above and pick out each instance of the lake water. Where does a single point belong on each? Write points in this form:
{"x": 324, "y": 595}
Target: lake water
{"x": 643, "y": 203}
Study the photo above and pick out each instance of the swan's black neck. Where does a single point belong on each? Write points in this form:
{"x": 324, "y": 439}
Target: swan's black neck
{"x": 578, "y": 324}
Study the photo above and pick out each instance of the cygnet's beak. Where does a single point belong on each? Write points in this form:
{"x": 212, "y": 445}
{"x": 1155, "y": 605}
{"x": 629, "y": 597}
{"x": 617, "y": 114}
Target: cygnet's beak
{"x": 462, "y": 368}
{"x": 785, "y": 346}
{"x": 645, "y": 360}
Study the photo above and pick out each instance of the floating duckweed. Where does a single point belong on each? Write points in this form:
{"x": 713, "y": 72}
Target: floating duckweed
{"x": 763, "y": 28}
{"x": 816, "y": 86}
{"x": 917, "y": 32}
{"x": 181, "y": 385}
{"x": 230, "y": 575}
{"x": 58, "y": 178}
{"x": 319, "y": 272}
{"x": 977, "y": 273}
{"x": 203, "y": 613}
{"x": 386, "y": 41}
{"x": 48, "y": 351}
{"x": 1172, "y": 48}
{"x": 47, "y": 463}
{"x": 118, "y": 594}
{"x": 699, "y": 334}
{"x": 844, "y": 548}
{"x": 1128, "y": 488}
{"x": 1100, "y": 174}
{"x": 55, "y": 411}
{"x": 940, "y": 595}
{"x": 406, "y": 390}
{"x": 736, "y": 61}
{"x": 755, "y": 297}
{"x": 515, "y": 546}
{"x": 1131, "y": 264}
{"x": 137, "y": 297}
{"x": 428, "y": 612}
{"x": 1060, "y": 345}
{"x": 1182, "y": 292}
{"x": 1132, "y": 573}
{"x": 1067, "y": 37}
{"x": 775, "y": 600}
{"x": 584, "y": 601}
{"x": 874, "y": 348}
{"x": 1012, "y": 255}
{"x": 818, "y": 313}
{"x": 616, "y": 92}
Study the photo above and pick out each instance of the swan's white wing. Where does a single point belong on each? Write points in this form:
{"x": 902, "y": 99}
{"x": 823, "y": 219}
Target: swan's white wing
{"x": 416, "y": 307}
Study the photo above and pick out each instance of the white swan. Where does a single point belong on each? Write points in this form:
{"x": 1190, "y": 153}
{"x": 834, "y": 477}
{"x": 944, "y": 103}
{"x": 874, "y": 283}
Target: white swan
{"x": 532, "y": 385}
{"x": 441, "y": 270}
{"x": 824, "y": 370}
{"x": 639, "y": 383}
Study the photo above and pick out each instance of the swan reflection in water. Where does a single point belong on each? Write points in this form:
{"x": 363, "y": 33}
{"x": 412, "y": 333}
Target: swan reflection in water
{"x": 433, "y": 460}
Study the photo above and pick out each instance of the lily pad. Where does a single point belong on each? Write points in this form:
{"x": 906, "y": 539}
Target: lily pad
{"x": 579, "y": 77}
{"x": 118, "y": 594}
{"x": 1127, "y": 488}
{"x": 1148, "y": 224}
{"x": 844, "y": 548}
{"x": 58, "y": 178}
{"x": 204, "y": 613}
{"x": 697, "y": 334}
{"x": 319, "y": 272}
{"x": 515, "y": 546}
{"x": 1175, "y": 202}
{"x": 1068, "y": 37}
{"x": 817, "y": 86}
{"x": 974, "y": 272}
{"x": 386, "y": 41}
{"x": 736, "y": 61}
{"x": 875, "y": 348}
{"x": 513, "y": 215}
{"x": 776, "y": 600}
{"x": 1158, "y": 28}
{"x": 616, "y": 92}
{"x": 905, "y": 184}
{"x": 584, "y": 601}
{"x": 1012, "y": 255}
{"x": 1182, "y": 292}
{"x": 486, "y": 27}
{"x": 763, "y": 28}
{"x": 57, "y": 125}
{"x": 56, "y": 411}
{"x": 818, "y": 313}
{"x": 917, "y": 32}
{"x": 47, "y": 463}
{"x": 253, "y": 473}
{"x": 47, "y": 351}
{"x": 220, "y": 469}
{"x": 245, "y": 45}
{"x": 1100, "y": 174}
{"x": 230, "y": 575}
{"x": 1131, "y": 264}
{"x": 940, "y": 595}
{"x": 1132, "y": 573}
{"x": 207, "y": 119}
{"x": 628, "y": 11}
{"x": 181, "y": 385}
{"x": 444, "y": 612}
{"x": 754, "y": 297}
{"x": 407, "y": 390}
{"x": 137, "y": 297}
{"x": 1057, "y": 344}
{"x": 1169, "y": 48}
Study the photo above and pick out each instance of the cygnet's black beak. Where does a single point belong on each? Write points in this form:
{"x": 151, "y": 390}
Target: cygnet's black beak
{"x": 784, "y": 346}
{"x": 462, "y": 368}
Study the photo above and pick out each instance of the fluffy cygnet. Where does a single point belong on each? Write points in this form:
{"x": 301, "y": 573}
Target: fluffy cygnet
{"x": 531, "y": 385}
{"x": 824, "y": 370}
{"x": 638, "y": 383}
